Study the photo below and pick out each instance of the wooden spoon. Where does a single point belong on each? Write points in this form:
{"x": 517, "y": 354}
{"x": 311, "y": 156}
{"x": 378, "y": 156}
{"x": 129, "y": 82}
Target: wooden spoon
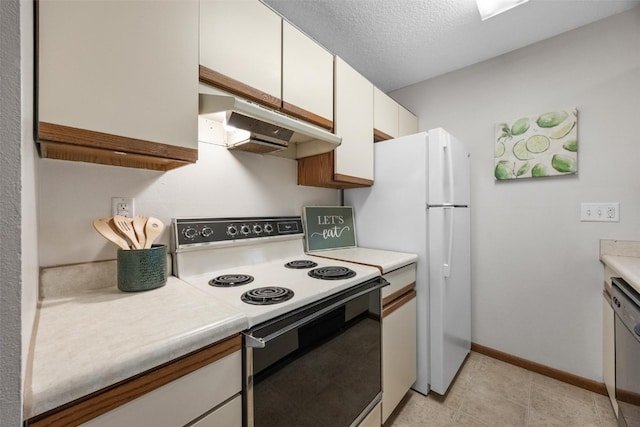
{"x": 152, "y": 229}
{"x": 125, "y": 225}
{"x": 138, "y": 226}
{"x": 102, "y": 226}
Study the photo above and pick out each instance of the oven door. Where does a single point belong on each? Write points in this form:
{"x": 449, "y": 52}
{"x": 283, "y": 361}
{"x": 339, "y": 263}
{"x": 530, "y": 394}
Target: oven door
{"x": 626, "y": 304}
{"x": 319, "y": 365}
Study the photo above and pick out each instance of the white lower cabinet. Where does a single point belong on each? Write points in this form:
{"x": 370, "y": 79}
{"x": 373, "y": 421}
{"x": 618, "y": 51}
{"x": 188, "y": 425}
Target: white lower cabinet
{"x": 399, "y": 337}
{"x": 373, "y": 418}
{"x": 203, "y": 388}
{"x": 185, "y": 399}
{"x": 229, "y": 414}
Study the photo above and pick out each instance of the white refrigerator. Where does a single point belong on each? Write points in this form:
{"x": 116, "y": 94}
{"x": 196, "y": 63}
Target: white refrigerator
{"x": 420, "y": 203}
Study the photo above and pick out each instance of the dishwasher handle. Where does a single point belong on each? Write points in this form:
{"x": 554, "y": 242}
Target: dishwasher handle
{"x": 258, "y": 342}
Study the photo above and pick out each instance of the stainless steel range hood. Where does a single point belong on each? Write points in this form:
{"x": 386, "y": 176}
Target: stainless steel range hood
{"x": 269, "y": 131}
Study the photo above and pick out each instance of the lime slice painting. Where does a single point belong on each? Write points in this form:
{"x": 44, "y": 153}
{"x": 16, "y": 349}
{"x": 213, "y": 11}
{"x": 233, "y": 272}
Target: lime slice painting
{"x": 538, "y": 145}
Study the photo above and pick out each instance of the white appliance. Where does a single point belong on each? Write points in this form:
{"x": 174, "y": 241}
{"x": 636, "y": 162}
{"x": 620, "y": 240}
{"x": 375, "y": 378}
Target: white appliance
{"x": 420, "y": 203}
{"x": 312, "y": 353}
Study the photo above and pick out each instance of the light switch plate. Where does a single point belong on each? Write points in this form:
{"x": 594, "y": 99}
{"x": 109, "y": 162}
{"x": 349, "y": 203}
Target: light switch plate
{"x": 600, "y": 212}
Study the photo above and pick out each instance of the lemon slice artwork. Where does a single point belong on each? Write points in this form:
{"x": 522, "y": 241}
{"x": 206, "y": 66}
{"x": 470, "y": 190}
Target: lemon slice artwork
{"x": 537, "y": 145}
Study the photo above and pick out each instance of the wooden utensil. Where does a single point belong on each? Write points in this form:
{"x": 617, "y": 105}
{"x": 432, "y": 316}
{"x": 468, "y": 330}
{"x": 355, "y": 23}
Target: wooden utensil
{"x": 152, "y": 229}
{"x": 125, "y": 225}
{"x": 102, "y": 226}
{"x": 139, "y": 223}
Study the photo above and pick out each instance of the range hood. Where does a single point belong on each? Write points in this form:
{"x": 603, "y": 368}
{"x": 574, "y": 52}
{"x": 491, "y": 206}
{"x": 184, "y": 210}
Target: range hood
{"x": 267, "y": 131}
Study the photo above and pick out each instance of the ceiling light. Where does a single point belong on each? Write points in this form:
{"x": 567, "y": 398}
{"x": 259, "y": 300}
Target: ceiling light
{"x": 489, "y": 8}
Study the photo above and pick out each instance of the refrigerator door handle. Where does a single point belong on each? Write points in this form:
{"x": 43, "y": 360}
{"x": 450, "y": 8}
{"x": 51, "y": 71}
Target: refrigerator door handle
{"x": 446, "y": 268}
{"x": 448, "y": 148}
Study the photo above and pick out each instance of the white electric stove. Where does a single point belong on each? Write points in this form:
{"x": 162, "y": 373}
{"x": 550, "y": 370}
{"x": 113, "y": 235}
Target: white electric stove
{"x": 258, "y": 265}
{"x": 312, "y": 350}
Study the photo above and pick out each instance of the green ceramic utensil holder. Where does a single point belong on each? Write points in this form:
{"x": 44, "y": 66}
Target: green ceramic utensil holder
{"x": 142, "y": 269}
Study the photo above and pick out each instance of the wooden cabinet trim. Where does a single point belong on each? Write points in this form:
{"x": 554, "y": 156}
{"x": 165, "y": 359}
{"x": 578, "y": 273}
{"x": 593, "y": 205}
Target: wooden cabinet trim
{"x": 607, "y": 296}
{"x": 307, "y": 116}
{"x": 399, "y": 293}
{"x": 78, "y": 153}
{"x": 214, "y": 78}
{"x": 397, "y": 303}
{"x": 107, "y": 399}
{"x": 352, "y": 180}
{"x": 318, "y": 171}
{"x": 50, "y": 132}
{"x": 378, "y": 136}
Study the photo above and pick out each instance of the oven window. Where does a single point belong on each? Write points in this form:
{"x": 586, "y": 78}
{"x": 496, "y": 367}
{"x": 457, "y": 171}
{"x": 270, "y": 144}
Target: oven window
{"x": 324, "y": 373}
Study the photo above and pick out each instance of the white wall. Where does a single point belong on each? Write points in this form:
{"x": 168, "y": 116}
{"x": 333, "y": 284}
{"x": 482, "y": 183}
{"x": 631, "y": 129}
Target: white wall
{"x": 29, "y": 253}
{"x": 10, "y": 216}
{"x": 537, "y": 282}
{"x": 18, "y": 250}
{"x": 222, "y": 183}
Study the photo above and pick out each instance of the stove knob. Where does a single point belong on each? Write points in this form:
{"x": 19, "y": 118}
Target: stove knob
{"x": 244, "y": 229}
{"x": 257, "y": 228}
{"x": 190, "y": 233}
{"x": 206, "y": 232}
{"x": 268, "y": 228}
{"x": 232, "y": 230}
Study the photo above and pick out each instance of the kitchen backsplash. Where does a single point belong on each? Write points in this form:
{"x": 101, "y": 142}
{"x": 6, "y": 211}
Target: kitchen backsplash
{"x": 222, "y": 183}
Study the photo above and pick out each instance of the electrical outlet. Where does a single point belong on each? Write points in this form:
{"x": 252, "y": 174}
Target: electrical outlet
{"x": 122, "y": 206}
{"x": 606, "y": 212}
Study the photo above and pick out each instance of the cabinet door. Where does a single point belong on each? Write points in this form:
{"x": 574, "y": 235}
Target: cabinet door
{"x": 240, "y": 49}
{"x": 398, "y": 351}
{"x": 385, "y": 116}
{"x": 407, "y": 122}
{"x": 118, "y": 75}
{"x": 353, "y": 121}
{"x": 307, "y": 78}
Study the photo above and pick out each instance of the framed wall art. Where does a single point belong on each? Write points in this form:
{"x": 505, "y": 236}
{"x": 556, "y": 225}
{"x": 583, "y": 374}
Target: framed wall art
{"x": 537, "y": 146}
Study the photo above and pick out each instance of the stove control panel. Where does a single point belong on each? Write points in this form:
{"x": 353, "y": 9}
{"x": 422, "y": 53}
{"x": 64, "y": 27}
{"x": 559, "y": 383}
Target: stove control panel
{"x": 203, "y": 231}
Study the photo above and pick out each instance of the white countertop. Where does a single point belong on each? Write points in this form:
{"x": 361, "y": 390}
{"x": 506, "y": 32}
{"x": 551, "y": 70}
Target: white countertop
{"x": 85, "y": 341}
{"x": 623, "y": 258}
{"x": 627, "y": 267}
{"x": 385, "y": 261}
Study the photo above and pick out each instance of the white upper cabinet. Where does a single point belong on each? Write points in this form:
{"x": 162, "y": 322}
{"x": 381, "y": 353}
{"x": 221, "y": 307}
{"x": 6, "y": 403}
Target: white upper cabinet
{"x": 307, "y": 78}
{"x": 385, "y": 115}
{"x": 117, "y": 81}
{"x": 391, "y": 119}
{"x": 241, "y": 49}
{"x": 407, "y": 122}
{"x": 354, "y": 122}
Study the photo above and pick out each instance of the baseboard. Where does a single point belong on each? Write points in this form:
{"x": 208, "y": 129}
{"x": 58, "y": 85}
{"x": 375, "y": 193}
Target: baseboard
{"x": 557, "y": 374}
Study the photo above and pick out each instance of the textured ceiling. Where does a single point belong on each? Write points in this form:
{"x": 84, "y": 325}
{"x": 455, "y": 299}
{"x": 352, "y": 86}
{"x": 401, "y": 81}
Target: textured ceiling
{"x": 395, "y": 43}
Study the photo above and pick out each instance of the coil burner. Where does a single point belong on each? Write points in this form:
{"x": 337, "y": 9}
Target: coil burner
{"x": 230, "y": 280}
{"x": 301, "y": 263}
{"x": 267, "y": 295}
{"x": 332, "y": 273}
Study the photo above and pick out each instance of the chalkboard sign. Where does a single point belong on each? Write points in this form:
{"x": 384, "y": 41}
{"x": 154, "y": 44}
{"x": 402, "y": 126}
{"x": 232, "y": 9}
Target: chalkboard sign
{"x": 329, "y": 227}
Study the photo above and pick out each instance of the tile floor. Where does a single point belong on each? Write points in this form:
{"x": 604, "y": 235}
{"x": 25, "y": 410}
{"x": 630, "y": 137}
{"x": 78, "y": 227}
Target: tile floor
{"x": 489, "y": 392}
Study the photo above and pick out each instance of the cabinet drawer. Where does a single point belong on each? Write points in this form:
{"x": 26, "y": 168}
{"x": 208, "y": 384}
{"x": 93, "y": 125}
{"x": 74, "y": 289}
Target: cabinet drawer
{"x": 180, "y": 401}
{"x": 402, "y": 280}
{"x": 228, "y": 415}
{"x": 169, "y": 395}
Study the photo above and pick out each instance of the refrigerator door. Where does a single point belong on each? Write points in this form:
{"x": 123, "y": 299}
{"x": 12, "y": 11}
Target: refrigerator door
{"x": 449, "y": 293}
{"x": 449, "y": 170}
{"x": 392, "y": 215}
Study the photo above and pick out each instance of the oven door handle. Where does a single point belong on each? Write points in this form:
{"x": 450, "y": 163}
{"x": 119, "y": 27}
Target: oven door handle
{"x": 257, "y": 342}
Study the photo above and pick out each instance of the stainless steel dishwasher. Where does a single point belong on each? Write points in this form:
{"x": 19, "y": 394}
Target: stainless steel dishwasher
{"x": 626, "y": 304}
